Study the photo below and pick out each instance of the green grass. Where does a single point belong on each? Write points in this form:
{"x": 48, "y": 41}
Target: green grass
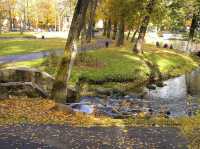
{"x": 16, "y": 35}
{"x": 28, "y": 64}
{"x": 15, "y": 47}
{"x": 121, "y": 64}
{"x": 116, "y": 64}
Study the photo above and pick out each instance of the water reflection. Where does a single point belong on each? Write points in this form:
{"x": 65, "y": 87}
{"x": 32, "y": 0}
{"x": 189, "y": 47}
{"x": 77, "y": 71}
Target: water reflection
{"x": 182, "y": 45}
{"x": 175, "y": 95}
{"x": 193, "y": 83}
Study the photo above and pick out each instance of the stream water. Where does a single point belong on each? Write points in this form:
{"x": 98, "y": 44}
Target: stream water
{"x": 181, "y": 95}
{"x": 182, "y": 45}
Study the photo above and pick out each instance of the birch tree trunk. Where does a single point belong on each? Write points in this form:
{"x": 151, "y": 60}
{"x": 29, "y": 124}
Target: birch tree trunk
{"x": 59, "y": 91}
{"x": 134, "y": 34}
{"x": 143, "y": 29}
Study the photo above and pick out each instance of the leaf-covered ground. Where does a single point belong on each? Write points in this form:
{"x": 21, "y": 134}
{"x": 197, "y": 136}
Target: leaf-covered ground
{"x": 22, "y": 110}
{"x": 41, "y": 111}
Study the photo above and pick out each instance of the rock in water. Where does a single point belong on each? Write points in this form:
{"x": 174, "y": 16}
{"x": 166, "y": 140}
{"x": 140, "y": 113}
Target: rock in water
{"x": 151, "y": 87}
{"x": 103, "y": 91}
{"x": 160, "y": 84}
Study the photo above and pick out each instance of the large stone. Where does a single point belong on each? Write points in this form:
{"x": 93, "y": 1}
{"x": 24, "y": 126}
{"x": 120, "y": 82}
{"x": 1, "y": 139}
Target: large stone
{"x": 28, "y": 82}
{"x": 21, "y": 89}
{"x": 42, "y": 79}
{"x": 103, "y": 91}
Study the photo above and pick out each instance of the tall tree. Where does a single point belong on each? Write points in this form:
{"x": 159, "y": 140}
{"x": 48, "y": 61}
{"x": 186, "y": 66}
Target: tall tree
{"x": 194, "y": 23}
{"x": 91, "y": 19}
{"x": 11, "y": 12}
{"x": 3, "y": 14}
{"x": 21, "y": 7}
{"x": 59, "y": 91}
{"x": 193, "y": 27}
{"x": 143, "y": 29}
{"x": 109, "y": 28}
{"x": 120, "y": 36}
{"x": 114, "y": 33}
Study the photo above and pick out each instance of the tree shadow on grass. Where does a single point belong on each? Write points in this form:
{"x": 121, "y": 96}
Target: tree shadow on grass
{"x": 155, "y": 74}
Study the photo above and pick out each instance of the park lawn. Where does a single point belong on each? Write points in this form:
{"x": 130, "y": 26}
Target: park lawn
{"x": 120, "y": 64}
{"x": 24, "y": 46}
{"x": 24, "y": 64}
{"x": 16, "y": 35}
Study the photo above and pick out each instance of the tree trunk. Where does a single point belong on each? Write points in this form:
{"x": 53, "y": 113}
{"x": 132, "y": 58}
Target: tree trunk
{"x": 129, "y": 32}
{"x": 59, "y": 23}
{"x": 10, "y": 21}
{"x": 1, "y": 25}
{"x": 21, "y": 27}
{"x": 120, "y": 37}
{"x": 55, "y": 25}
{"x": 104, "y": 27}
{"x": 90, "y": 30}
{"x": 59, "y": 91}
{"x": 143, "y": 29}
{"x": 109, "y": 28}
{"x": 0, "y": 28}
{"x": 114, "y": 31}
{"x": 192, "y": 32}
{"x": 134, "y": 34}
{"x": 93, "y": 32}
{"x": 1, "y": 22}
{"x": 83, "y": 33}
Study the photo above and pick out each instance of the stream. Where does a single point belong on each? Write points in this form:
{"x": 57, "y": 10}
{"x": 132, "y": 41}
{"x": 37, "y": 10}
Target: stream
{"x": 179, "y": 97}
{"x": 182, "y": 45}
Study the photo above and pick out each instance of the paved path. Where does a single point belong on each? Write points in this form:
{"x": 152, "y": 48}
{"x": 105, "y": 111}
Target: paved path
{"x": 66, "y": 137}
{"x": 37, "y": 55}
{"x": 17, "y": 38}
